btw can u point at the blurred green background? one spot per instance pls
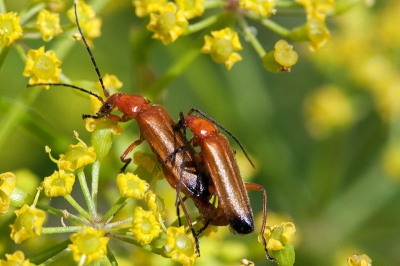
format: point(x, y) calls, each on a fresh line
point(335, 188)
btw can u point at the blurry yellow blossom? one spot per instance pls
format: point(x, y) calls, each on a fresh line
point(111, 83)
point(326, 110)
point(156, 205)
point(48, 24)
point(284, 54)
point(145, 226)
point(262, 7)
point(191, 8)
point(317, 10)
point(88, 244)
point(90, 24)
point(15, 259)
point(7, 182)
point(278, 237)
point(180, 246)
point(28, 223)
point(391, 160)
point(168, 25)
point(145, 161)
point(131, 186)
point(145, 7)
point(10, 30)
point(4, 203)
point(359, 260)
point(76, 157)
point(222, 47)
point(58, 184)
point(42, 67)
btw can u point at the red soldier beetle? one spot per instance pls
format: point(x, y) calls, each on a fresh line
point(156, 127)
point(226, 180)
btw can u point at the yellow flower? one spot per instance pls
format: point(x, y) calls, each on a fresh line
point(112, 85)
point(326, 110)
point(318, 33)
point(320, 6)
point(359, 260)
point(42, 67)
point(156, 205)
point(16, 259)
point(145, 226)
point(88, 244)
point(7, 182)
point(58, 184)
point(4, 203)
point(262, 7)
point(76, 157)
point(222, 47)
point(90, 24)
point(168, 25)
point(278, 237)
point(316, 10)
point(92, 124)
point(191, 8)
point(10, 30)
point(180, 246)
point(145, 7)
point(48, 24)
point(28, 223)
point(131, 186)
point(284, 54)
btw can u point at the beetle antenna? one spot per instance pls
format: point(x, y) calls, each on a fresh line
point(106, 94)
point(70, 86)
point(224, 129)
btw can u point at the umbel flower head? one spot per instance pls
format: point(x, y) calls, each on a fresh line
point(145, 7)
point(7, 184)
point(10, 30)
point(180, 246)
point(191, 8)
point(145, 226)
point(17, 258)
point(42, 67)
point(131, 186)
point(48, 24)
point(262, 7)
point(76, 157)
point(359, 260)
point(28, 223)
point(168, 25)
point(88, 244)
point(278, 237)
point(222, 47)
point(58, 184)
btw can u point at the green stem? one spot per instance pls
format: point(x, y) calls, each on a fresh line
point(77, 207)
point(273, 26)
point(115, 209)
point(51, 255)
point(86, 193)
point(130, 240)
point(95, 181)
point(213, 4)
point(28, 14)
point(201, 25)
point(252, 38)
point(60, 230)
point(110, 256)
point(60, 213)
point(3, 55)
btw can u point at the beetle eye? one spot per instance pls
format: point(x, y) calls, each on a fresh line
point(107, 105)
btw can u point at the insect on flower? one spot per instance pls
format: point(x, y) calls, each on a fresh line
point(156, 127)
point(226, 181)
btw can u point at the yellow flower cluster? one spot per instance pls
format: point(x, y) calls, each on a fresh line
point(278, 237)
point(180, 246)
point(317, 11)
point(10, 30)
point(359, 260)
point(7, 184)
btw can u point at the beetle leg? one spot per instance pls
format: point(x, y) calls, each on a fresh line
point(127, 151)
